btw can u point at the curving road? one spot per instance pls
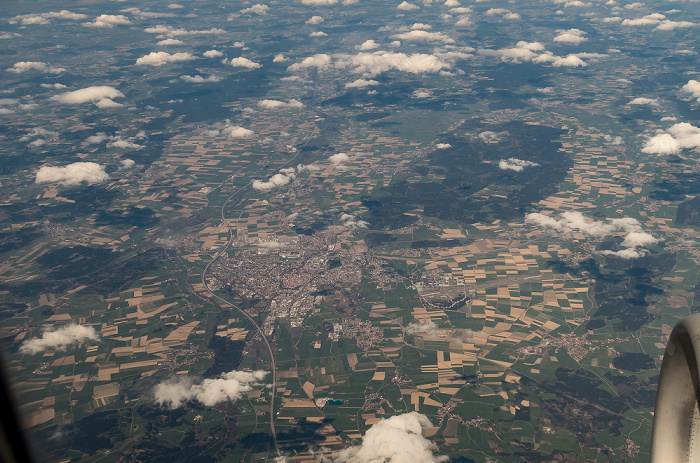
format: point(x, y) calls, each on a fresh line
point(273, 366)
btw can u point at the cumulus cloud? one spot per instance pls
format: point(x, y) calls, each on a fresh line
point(361, 83)
point(258, 8)
point(314, 20)
point(279, 58)
point(284, 177)
point(236, 131)
point(127, 163)
point(421, 26)
point(351, 221)
point(319, 61)
point(506, 14)
point(338, 159)
point(276, 104)
point(109, 21)
point(677, 137)
point(423, 36)
point(405, 6)
point(39, 132)
point(226, 388)
point(422, 328)
point(168, 42)
point(692, 87)
point(212, 54)
point(39, 66)
point(59, 339)
point(443, 146)
point(575, 222)
point(368, 45)
point(242, 62)
point(536, 53)
point(197, 79)
point(172, 32)
point(159, 58)
point(396, 439)
point(377, 62)
point(648, 20)
point(56, 86)
point(571, 36)
point(641, 101)
point(318, 34)
point(72, 174)
point(488, 136)
point(514, 164)
point(668, 25)
point(45, 18)
point(102, 94)
point(275, 181)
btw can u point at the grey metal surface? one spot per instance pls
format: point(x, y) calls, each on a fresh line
point(676, 430)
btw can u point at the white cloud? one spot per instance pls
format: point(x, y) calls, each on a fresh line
point(644, 101)
point(368, 45)
point(506, 14)
point(236, 131)
point(276, 104)
point(197, 79)
point(648, 20)
point(167, 42)
point(319, 61)
point(242, 62)
point(421, 94)
point(662, 143)
point(423, 36)
point(318, 34)
point(338, 159)
point(45, 18)
point(319, 2)
point(678, 136)
point(361, 83)
point(572, 36)
point(422, 328)
point(488, 136)
point(39, 132)
point(284, 177)
point(40, 66)
point(109, 20)
point(692, 87)
point(279, 58)
point(451, 3)
point(172, 32)
point(634, 6)
point(99, 94)
point(146, 14)
point(421, 26)
point(351, 221)
point(381, 61)
point(175, 6)
point(127, 163)
point(212, 54)
point(396, 439)
point(72, 174)
point(227, 387)
point(514, 164)
point(258, 8)
point(405, 6)
point(314, 20)
point(59, 339)
point(668, 25)
point(443, 146)
point(572, 222)
point(159, 58)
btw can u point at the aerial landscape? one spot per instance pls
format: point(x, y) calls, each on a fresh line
point(345, 230)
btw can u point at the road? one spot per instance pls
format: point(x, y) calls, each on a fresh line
point(224, 302)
